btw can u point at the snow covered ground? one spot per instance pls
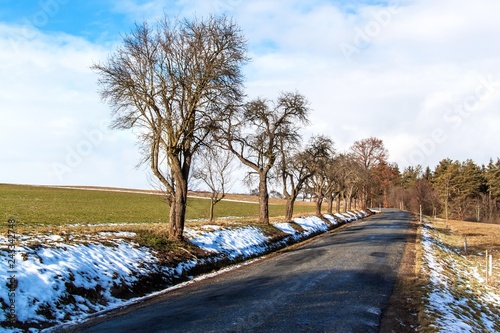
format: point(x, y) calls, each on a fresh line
point(458, 301)
point(60, 283)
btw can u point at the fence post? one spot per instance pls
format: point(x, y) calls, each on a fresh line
point(487, 270)
point(490, 268)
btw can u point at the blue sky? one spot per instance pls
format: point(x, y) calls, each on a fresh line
point(96, 21)
point(422, 75)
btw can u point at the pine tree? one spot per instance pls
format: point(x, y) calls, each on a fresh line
point(492, 175)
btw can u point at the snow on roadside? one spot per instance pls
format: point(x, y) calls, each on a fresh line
point(311, 224)
point(58, 282)
point(239, 242)
point(332, 219)
point(62, 282)
point(287, 228)
point(457, 295)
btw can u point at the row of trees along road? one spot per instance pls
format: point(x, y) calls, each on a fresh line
point(179, 85)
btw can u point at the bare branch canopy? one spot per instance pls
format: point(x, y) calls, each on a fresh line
point(172, 83)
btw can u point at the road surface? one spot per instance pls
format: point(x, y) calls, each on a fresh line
point(338, 282)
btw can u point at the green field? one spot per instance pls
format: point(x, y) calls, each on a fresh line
point(41, 205)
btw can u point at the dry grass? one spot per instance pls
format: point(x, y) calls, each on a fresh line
point(480, 237)
point(459, 270)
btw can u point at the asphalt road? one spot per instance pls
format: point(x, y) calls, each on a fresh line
point(339, 282)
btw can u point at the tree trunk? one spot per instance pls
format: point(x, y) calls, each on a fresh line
point(212, 205)
point(329, 208)
point(263, 199)
point(319, 202)
point(337, 206)
point(173, 208)
point(178, 217)
point(178, 210)
point(290, 201)
point(364, 197)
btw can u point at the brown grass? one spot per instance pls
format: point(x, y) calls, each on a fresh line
point(480, 237)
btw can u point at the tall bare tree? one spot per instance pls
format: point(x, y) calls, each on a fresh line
point(368, 153)
point(294, 169)
point(255, 132)
point(323, 154)
point(171, 83)
point(346, 177)
point(214, 167)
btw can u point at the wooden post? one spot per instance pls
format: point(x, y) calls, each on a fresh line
point(490, 268)
point(487, 267)
point(465, 244)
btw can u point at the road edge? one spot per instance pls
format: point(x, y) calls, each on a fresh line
point(401, 314)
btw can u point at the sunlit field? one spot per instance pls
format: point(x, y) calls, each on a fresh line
point(42, 205)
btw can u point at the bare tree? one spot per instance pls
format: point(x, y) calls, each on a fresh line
point(322, 151)
point(294, 169)
point(386, 176)
point(214, 167)
point(344, 173)
point(171, 83)
point(255, 131)
point(353, 181)
point(368, 153)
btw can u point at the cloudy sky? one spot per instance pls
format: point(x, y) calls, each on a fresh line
point(422, 75)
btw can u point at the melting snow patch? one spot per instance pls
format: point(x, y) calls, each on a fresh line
point(287, 228)
point(311, 224)
point(331, 219)
point(239, 242)
point(120, 234)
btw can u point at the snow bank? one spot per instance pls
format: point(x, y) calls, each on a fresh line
point(346, 217)
point(240, 242)
point(287, 228)
point(311, 224)
point(332, 219)
point(64, 281)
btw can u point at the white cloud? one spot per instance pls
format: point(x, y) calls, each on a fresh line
point(426, 57)
point(51, 111)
